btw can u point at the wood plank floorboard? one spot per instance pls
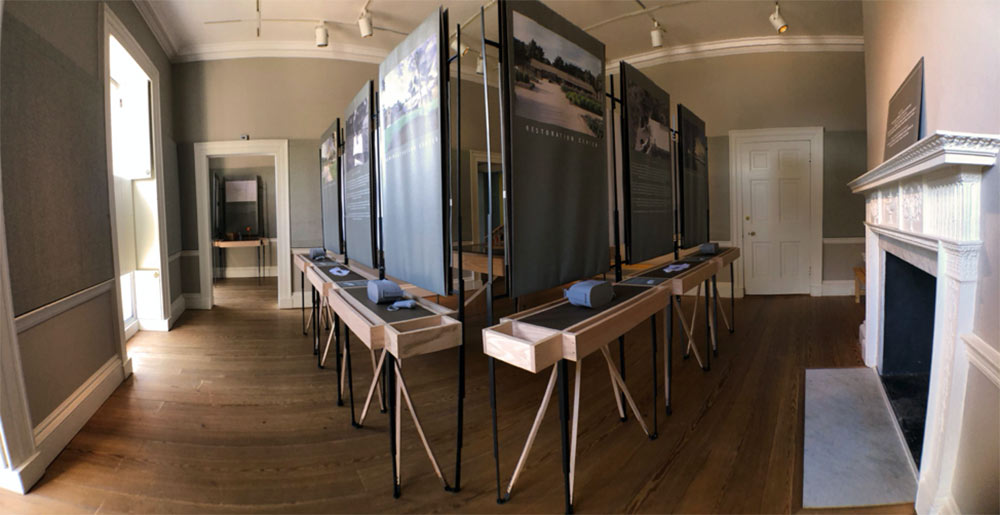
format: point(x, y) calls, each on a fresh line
point(228, 413)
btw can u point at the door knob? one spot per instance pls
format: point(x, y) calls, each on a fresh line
point(752, 233)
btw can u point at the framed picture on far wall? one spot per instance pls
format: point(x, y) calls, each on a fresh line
point(692, 180)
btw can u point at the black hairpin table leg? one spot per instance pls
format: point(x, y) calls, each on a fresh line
point(652, 335)
point(715, 317)
point(336, 343)
point(390, 362)
point(708, 329)
point(564, 430)
point(668, 368)
point(621, 367)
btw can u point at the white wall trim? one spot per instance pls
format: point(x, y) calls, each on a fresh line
point(131, 329)
point(195, 301)
point(152, 19)
point(189, 253)
point(753, 45)
point(275, 147)
point(177, 308)
point(839, 288)
point(860, 240)
point(738, 138)
point(54, 433)
point(299, 49)
point(175, 256)
point(983, 357)
point(54, 309)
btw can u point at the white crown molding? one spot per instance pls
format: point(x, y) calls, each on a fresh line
point(941, 149)
point(148, 11)
point(755, 45)
point(300, 49)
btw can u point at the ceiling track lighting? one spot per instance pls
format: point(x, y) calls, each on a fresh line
point(460, 48)
point(365, 24)
point(322, 35)
point(479, 65)
point(656, 35)
point(777, 21)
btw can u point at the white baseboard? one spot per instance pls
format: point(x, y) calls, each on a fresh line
point(177, 309)
point(55, 432)
point(295, 301)
point(838, 288)
point(154, 324)
point(196, 301)
point(130, 329)
point(233, 272)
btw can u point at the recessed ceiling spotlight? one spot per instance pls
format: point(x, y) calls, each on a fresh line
point(777, 21)
point(365, 24)
point(322, 36)
point(656, 35)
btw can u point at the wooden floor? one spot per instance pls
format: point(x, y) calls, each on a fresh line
point(228, 413)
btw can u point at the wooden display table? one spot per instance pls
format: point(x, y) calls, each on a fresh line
point(259, 243)
point(557, 332)
point(399, 334)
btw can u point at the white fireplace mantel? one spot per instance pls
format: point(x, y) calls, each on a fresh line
point(923, 205)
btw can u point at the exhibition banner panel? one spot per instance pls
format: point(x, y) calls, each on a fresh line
point(412, 146)
point(330, 188)
point(359, 175)
point(557, 181)
point(693, 178)
point(647, 166)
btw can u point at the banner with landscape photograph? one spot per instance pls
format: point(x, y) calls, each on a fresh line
point(330, 188)
point(647, 167)
point(412, 146)
point(359, 174)
point(558, 184)
point(693, 178)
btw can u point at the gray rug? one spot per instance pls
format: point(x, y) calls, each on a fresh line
point(853, 455)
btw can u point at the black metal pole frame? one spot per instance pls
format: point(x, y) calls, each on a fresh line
point(617, 231)
point(456, 202)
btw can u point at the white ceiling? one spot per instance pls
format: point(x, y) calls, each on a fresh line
point(182, 27)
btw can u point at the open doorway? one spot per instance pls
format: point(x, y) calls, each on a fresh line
point(244, 222)
point(135, 165)
point(247, 160)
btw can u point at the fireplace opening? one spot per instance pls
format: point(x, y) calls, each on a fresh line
point(907, 343)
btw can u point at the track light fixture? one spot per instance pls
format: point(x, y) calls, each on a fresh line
point(479, 65)
point(322, 35)
point(656, 35)
point(777, 21)
point(365, 24)
point(461, 48)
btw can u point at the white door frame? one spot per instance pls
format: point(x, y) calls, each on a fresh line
point(113, 26)
point(202, 153)
point(814, 135)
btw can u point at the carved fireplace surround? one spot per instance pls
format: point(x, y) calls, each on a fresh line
point(923, 205)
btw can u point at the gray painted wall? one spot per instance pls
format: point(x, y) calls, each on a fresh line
point(52, 75)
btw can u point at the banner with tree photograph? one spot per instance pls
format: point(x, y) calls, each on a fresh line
point(359, 175)
point(693, 178)
point(647, 167)
point(412, 146)
point(330, 188)
point(557, 182)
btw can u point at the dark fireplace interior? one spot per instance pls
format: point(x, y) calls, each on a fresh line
point(907, 339)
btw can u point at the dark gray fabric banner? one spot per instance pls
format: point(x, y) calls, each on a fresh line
point(558, 182)
point(329, 171)
point(647, 167)
point(359, 175)
point(412, 178)
point(693, 178)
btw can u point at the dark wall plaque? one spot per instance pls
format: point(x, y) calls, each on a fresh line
point(692, 180)
point(903, 127)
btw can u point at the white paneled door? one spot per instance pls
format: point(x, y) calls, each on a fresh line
point(776, 224)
